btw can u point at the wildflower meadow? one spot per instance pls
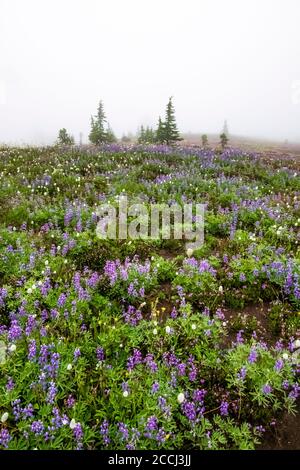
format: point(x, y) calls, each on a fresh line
point(146, 343)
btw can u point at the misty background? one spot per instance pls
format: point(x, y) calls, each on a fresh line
point(236, 59)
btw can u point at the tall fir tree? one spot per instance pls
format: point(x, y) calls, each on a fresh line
point(170, 127)
point(160, 132)
point(99, 134)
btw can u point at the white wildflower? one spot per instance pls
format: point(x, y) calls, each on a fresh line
point(180, 397)
point(72, 423)
point(4, 417)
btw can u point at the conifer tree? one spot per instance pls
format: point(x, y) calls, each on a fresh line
point(223, 140)
point(99, 133)
point(64, 138)
point(160, 132)
point(171, 132)
point(149, 135)
point(204, 140)
point(146, 135)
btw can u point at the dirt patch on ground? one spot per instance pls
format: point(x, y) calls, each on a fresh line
point(249, 318)
point(284, 436)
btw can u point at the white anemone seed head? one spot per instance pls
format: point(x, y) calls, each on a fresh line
point(180, 397)
point(72, 423)
point(4, 417)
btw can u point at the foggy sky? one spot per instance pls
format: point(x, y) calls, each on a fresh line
point(233, 59)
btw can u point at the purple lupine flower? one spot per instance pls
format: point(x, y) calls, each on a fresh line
point(70, 401)
point(132, 316)
point(52, 391)
point(239, 337)
point(279, 345)
point(131, 290)
point(16, 409)
point(219, 314)
point(78, 432)
point(294, 393)
point(199, 395)
point(267, 389)
point(155, 387)
point(173, 381)
point(278, 365)
point(285, 385)
point(100, 354)
point(44, 354)
point(56, 420)
point(61, 300)
point(32, 350)
point(5, 438)
point(260, 429)
point(10, 384)
point(152, 423)
point(37, 427)
point(189, 410)
point(28, 411)
point(30, 325)
point(161, 436)
point(151, 364)
point(54, 313)
point(43, 332)
point(242, 373)
point(44, 315)
point(174, 313)
point(68, 216)
point(15, 331)
point(135, 359)
point(77, 353)
point(54, 364)
point(192, 369)
point(252, 356)
point(162, 403)
point(123, 429)
point(170, 359)
point(3, 295)
point(181, 368)
point(93, 280)
point(224, 408)
point(104, 431)
point(110, 270)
